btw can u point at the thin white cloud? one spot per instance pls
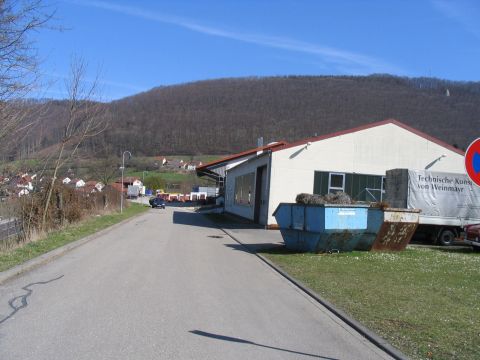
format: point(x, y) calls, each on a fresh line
point(337, 58)
point(465, 13)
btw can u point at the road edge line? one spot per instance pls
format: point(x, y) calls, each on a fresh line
point(361, 329)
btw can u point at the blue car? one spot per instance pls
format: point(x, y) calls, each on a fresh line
point(157, 203)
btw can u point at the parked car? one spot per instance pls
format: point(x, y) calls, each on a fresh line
point(157, 203)
point(472, 236)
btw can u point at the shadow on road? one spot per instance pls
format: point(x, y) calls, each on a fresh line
point(255, 248)
point(230, 221)
point(212, 220)
point(250, 245)
point(192, 219)
point(242, 341)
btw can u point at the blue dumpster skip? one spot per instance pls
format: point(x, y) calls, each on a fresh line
point(332, 227)
point(329, 227)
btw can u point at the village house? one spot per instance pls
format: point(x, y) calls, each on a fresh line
point(192, 165)
point(128, 180)
point(79, 183)
point(96, 184)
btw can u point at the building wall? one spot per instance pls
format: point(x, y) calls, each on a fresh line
point(371, 151)
point(232, 174)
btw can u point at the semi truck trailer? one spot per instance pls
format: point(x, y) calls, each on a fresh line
point(448, 201)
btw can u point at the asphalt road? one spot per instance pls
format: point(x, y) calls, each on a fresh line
point(167, 285)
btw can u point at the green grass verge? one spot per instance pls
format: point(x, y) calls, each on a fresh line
point(425, 301)
point(71, 233)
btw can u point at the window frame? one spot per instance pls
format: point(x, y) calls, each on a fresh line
point(335, 188)
point(243, 189)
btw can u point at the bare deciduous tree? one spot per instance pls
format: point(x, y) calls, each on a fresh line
point(106, 168)
point(18, 59)
point(86, 118)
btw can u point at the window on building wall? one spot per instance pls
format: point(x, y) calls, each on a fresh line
point(365, 187)
point(244, 189)
point(336, 183)
point(360, 187)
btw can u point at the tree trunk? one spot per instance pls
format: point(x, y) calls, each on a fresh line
point(50, 189)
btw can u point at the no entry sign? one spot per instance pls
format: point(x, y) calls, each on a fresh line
point(472, 161)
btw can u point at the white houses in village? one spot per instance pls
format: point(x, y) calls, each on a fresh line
point(354, 161)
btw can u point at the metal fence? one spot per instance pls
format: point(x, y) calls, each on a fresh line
point(10, 231)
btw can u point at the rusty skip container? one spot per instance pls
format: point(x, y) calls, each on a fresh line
point(397, 229)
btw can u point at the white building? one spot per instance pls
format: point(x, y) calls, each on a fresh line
point(217, 169)
point(354, 161)
point(99, 186)
point(79, 183)
point(23, 192)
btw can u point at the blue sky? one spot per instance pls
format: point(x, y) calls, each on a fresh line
point(138, 45)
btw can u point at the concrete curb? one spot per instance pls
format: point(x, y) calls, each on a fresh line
point(53, 254)
point(365, 332)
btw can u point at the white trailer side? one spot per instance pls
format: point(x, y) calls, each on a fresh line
point(448, 201)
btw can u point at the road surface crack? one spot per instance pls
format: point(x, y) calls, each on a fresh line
point(23, 298)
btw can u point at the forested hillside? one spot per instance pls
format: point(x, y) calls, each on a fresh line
point(228, 115)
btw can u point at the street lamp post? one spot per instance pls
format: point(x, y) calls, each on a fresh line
point(123, 168)
point(143, 183)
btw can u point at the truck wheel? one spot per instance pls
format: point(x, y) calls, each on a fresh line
point(446, 237)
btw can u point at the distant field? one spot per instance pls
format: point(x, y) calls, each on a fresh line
point(203, 158)
point(169, 177)
point(82, 167)
point(19, 165)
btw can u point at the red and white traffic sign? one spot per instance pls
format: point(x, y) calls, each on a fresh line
point(472, 161)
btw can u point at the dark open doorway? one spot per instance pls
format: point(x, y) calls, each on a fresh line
point(259, 193)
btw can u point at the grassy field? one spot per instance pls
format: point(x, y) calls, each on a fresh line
point(171, 181)
point(19, 165)
point(170, 177)
point(203, 158)
point(82, 167)
point(71, 233)
point(425, 301)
